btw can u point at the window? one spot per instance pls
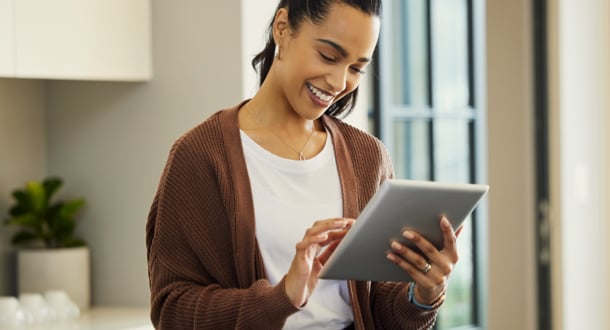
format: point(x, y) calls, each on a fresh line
point(429, 114)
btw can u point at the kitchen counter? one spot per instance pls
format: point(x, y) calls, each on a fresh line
point(102, 318)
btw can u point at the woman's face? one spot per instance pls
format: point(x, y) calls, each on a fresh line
point(321, 63)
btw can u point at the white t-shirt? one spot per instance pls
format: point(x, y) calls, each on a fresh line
point(289, 195)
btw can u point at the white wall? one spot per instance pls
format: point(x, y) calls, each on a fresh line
point(110, 140)
point(22, 157)
point(580, 78)
point(509, 106)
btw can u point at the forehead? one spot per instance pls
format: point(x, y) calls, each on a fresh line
point(351, 28)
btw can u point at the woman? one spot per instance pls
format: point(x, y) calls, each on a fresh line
point(241, 190)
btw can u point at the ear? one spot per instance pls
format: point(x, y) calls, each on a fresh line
point(281, 26)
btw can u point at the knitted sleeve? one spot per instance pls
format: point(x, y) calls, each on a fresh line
point(192, 276)
point(392, 310)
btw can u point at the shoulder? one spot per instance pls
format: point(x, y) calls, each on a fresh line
point(209, 136)
point(358, 141)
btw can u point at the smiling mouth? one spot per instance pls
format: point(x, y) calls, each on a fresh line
point(319, 94)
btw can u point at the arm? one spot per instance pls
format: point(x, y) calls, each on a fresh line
point(194, 282)
point(180, 303)
point(392, 310)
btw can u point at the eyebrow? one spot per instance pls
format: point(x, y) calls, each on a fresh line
point(342, 50)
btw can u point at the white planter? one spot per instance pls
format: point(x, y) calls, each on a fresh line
point(68, 269)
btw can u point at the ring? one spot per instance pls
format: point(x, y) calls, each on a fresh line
point(426, 268)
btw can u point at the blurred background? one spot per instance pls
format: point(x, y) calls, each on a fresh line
point(512, 93)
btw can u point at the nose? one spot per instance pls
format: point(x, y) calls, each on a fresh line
point(337, 79)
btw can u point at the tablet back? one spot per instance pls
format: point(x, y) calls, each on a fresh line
point(396, 206)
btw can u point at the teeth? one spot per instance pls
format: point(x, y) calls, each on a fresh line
point(322, 96)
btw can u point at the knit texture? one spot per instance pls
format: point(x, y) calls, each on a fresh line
point(205, 268)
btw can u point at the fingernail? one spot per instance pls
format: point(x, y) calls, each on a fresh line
point(396, 246)
point(446, 222)
point(408, 235)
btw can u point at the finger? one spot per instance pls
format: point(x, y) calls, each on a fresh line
point(428, 250)
point(459, 231)
point(334, 238)
point(311, 240)
point(416, 274)
point(449, 238)
point(322, 226)
point(322, 233)
point(430, 284)
point(412, 257)
point(323, 257)
point(337, 234)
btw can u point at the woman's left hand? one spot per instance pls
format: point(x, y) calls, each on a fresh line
point(432, 269)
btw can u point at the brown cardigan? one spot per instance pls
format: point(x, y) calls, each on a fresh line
point(205, 269)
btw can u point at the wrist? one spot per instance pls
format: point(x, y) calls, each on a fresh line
point(411, 295)
point(292, 293)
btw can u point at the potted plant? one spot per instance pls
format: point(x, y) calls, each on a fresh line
point(50, 255)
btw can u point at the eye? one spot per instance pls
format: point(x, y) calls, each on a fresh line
point(327, 58)
point(357, 70)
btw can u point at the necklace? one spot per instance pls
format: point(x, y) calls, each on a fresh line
point(300, 152)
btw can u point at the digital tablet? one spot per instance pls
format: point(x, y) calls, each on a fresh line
point(396, 206)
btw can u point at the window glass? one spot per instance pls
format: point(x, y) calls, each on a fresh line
point(411, 152)
point(452, 150)
point(450, 54)
point(409, 53)
point(452, 164)
point(458, 307)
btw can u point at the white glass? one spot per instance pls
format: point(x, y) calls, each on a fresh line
point(35, 308)
point(62, 305)
point(11, 314)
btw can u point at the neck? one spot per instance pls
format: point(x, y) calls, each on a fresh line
point(278, 116)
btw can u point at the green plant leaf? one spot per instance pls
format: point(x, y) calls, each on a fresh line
point(26, 220)
point(22, 203)
point(37, 196)
point(51, 186)
point(72, 242)
point(42, 220)
point(61, 218)
point(23, 237)
point(62, 228)
point(69, 208)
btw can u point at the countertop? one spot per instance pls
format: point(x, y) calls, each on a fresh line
point(101, 318)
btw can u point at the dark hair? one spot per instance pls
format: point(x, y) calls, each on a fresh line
point(315, 10)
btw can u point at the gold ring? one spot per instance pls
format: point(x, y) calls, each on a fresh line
point(426, 268)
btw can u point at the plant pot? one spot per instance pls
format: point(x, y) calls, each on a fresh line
point(67, 269)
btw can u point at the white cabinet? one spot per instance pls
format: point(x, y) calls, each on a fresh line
point(7, 50)
point(82, 39)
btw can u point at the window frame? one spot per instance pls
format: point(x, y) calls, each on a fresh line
point(384, 114)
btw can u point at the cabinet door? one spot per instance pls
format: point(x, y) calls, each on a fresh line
point(7, 50)
point(83, 39)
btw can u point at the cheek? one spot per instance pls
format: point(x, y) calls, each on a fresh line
point(351, 84)
point(353, 81)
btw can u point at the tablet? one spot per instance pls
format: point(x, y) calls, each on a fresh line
point(396, 206)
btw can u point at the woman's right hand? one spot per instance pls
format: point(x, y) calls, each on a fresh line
point(302, 276)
